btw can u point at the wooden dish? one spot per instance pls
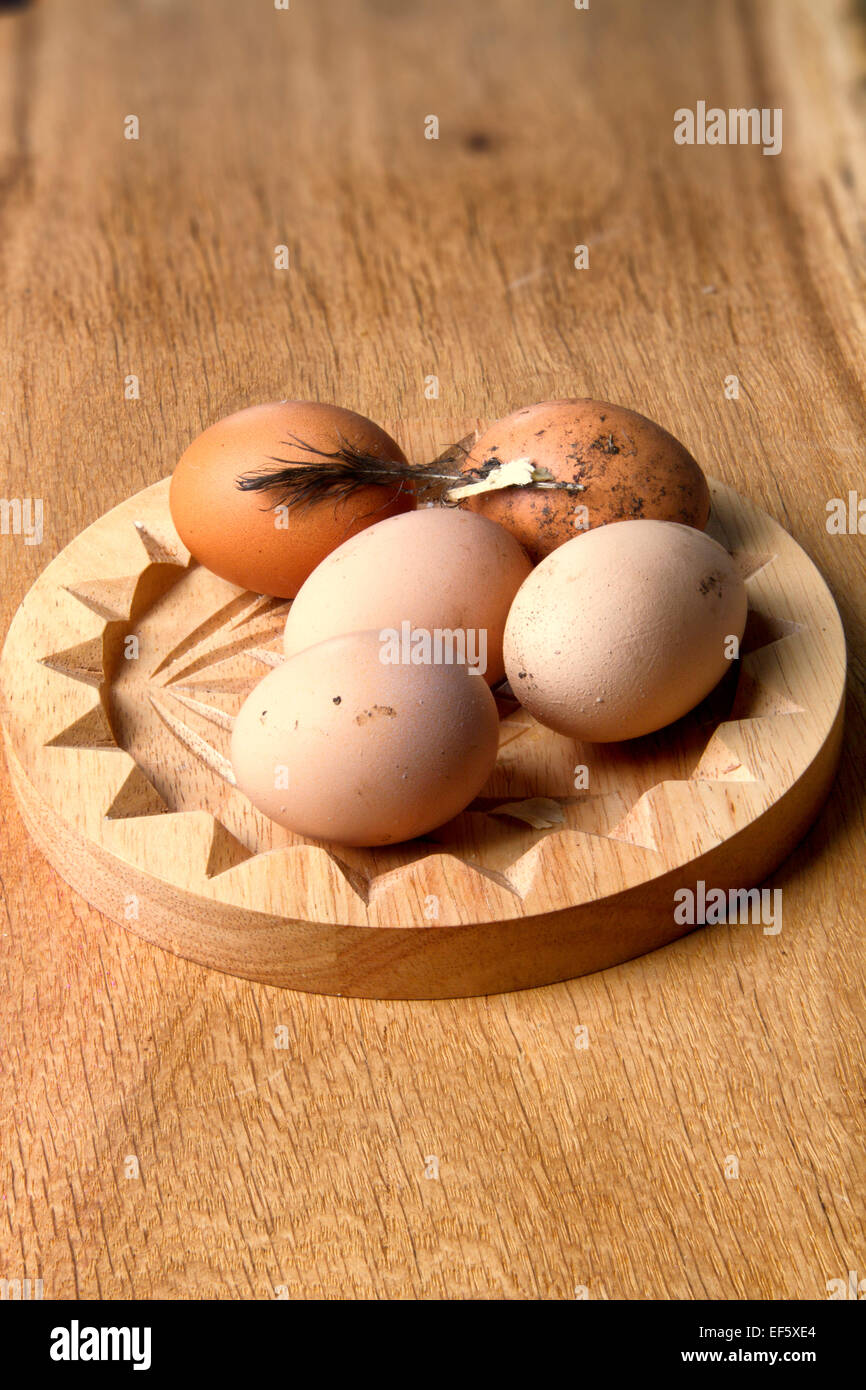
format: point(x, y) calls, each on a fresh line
point(123, 668)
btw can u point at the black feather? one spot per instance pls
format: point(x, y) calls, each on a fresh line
point(343, 472)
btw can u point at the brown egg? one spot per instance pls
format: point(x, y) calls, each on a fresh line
point(627, 466)
point(238, 534)
point(624, 629)
point(339, 745)
point(438, 577)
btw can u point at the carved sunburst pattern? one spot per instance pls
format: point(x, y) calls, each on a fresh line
point(165, 654)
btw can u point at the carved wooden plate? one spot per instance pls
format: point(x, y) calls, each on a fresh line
point(124, 667)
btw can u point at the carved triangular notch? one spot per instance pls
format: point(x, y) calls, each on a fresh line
point(226, 852)
point(639, 826)
point(756, 700)
point(109, 598)
point(137, 797)
point(720, 763)
point(92, 730)
point(161, 550)
point(747, 563)
point(762, 630)
point(82, 662)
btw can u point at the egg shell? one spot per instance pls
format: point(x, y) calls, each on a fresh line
point(435, 568)
point(374, 753)
point(235, 533)
point(624, 629)
point(628, 466)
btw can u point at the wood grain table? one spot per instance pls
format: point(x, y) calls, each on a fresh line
point(683, 1126)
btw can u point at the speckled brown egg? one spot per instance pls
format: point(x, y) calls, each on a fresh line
point(341, 746)
point(627, 466)
point(244, 536)
point(624, 629)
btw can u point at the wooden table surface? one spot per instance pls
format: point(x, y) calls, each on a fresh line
point(605, 1168)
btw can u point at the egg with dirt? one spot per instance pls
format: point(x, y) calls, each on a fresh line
point(344, 744)
point(624, 629)
point(607, 464)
